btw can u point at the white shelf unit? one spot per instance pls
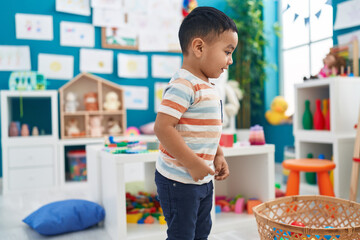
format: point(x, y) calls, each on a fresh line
point(252, 175)
point(29, 162)
point(338, 142)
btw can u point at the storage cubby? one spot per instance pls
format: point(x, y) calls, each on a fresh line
point(338, 143)
point(29, 162)
point(87, 96)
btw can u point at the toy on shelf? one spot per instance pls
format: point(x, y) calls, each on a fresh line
point(113, 128)
point(226, 140)
point(95, 126)
point(27, 80)
point(35, 131)
point(350, 53)
point(112, 102)
point(276, 115)
point(327, 116)
point(188, 6)
point(148, 128)
point(77, 163)
point(319, 120)
point(307, 119)
point(256, 136)
point(72, 128)
point(71, 102)
point(14, 129)
point(25, 130)
point(91, 102)
point(132, 131)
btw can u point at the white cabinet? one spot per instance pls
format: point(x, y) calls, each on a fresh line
point(29, 162)
point(252, 175)
point(338, 143)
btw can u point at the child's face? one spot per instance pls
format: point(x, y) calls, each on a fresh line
point(217, 55)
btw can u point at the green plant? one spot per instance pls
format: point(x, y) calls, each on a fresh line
point(249, 64)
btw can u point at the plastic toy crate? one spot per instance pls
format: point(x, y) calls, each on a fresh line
point(77, 164)
point(325, 218)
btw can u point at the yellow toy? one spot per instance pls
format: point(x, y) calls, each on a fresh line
point(276, 114)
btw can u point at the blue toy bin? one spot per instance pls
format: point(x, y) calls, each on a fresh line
point(308, 218)
point(77, 164)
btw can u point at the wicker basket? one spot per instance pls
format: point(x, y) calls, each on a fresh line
point(324, 218)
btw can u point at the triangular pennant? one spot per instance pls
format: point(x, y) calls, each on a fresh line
point(306, 20)
point(318, 14)
point(295, 17)
point(287, 7)
point(329, 2)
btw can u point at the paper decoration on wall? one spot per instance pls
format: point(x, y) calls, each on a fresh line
point(109, 4)
point(135, 6)
point(347, 15)
point(96, 61)
point(292, 6)
point(34, 26)
point(159, 91)
point(14, 58)
point(55, 66)
point(108, 17)
point(132, 66)
point(164, 66)
point(77, 34)
point(80, 7)
point(136, 97)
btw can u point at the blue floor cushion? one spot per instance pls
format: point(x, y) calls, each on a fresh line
point(65, 216)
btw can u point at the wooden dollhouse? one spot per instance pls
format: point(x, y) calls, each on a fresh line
point(91, 107)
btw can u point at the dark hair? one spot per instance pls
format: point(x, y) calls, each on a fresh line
point(201, 22)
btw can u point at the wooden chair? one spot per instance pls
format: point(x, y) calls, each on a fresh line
point(356, 164)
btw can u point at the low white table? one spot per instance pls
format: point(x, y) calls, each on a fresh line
point(252, 174)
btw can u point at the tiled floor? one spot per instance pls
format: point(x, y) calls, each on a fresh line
point(14, 208)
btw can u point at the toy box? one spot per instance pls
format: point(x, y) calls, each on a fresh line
point(77, 164)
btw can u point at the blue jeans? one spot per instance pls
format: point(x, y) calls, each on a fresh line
point(186, 208)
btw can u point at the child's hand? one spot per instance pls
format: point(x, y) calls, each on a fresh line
point(199, 170)
point(221, 168)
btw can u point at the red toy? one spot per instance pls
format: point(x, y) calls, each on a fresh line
point(227, 140)
point(319, 120)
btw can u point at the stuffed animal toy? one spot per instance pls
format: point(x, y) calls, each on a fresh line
point(113, 127)
point(233, 96)
point(91, 102)
point(111, 102)
point(72, 128)
point(95, 126)
point(276, 114)
point(71, 102)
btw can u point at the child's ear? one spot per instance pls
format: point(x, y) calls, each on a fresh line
point(197, 46)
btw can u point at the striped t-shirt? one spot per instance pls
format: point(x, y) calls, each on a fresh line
point(197, 105)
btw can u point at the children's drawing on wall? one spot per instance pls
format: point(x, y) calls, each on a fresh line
point(34, 26)
point(113, 37)
point(108, 17)
point(96, 61)
point(347, 15)
point(55, 66)
point(109, 4)
point(80, 7)
point(77, 34)
point(136, 97)
point(159, 91)
point(164, 66)
point(132, 66)
point(135, 6)
point(14, 58)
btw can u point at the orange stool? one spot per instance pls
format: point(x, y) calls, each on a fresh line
point(320, 166)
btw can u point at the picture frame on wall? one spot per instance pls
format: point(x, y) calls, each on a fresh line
point(116, 38)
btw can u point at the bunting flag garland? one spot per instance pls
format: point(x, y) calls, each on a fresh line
point(306, 19)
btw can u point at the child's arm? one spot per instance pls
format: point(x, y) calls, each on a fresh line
point(173, 143)
point(221, 166)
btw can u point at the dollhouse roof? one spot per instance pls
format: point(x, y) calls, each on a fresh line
point(91, 77)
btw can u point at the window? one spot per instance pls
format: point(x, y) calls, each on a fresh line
point(306, 39)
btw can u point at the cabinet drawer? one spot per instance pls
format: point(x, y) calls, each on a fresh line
point(22, 179)
point(30, 156)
